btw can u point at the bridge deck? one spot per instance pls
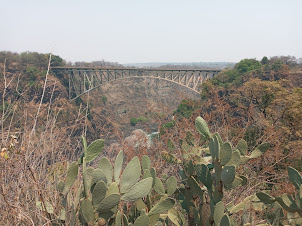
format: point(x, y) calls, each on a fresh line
point(129, 69)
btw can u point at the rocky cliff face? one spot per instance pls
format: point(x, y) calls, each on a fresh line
point(136, 97)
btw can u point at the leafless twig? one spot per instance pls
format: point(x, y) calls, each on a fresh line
point(44, 88)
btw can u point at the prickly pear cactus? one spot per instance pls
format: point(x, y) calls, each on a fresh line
point(133, 194)
point(290, 203)
point(208, 171)
point(109, 189)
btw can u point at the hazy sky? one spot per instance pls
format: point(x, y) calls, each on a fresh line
point(129, 31)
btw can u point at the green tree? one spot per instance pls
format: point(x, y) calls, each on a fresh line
point(186, 108)
point(31, 73)
point(277, 65)
point(57, 61)
point(133, 121)
point(247, 65)
point(264, 60)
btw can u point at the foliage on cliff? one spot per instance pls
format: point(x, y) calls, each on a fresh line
point(259, 102)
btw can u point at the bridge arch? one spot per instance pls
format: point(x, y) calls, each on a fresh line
point(82, 80)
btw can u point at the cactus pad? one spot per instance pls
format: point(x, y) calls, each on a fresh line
point(131, 174)
point(108, 202)
point(218, 212)
point(142, 220)
point(94, 149)
point(118, 164)
point(162, 206)
point(265, 198)
point(294, 177)
point(202, 127)
point(171, 184)
point(87, 211)
point(226, 153)
point(98, 193)
point(106, 167)
point(159, 187)
point(98, 175)
point(228, 174)
point(139, 190)
point(242, 147)
point(146, 162)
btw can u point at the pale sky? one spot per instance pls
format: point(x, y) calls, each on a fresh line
point(138, 31)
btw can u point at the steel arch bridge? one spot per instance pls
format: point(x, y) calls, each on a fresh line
point(84, 79)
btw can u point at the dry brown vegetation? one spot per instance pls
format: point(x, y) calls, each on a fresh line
point(28, 152)
point(266, 107)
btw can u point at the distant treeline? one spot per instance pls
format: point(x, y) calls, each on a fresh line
point(276, 67)
point(190, 65)
point(40, 60)
point(201, 65)
point(101, 63)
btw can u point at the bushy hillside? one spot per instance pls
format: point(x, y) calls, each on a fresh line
point(231, 166)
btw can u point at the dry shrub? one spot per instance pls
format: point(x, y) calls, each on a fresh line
point(31, 158)
point(27, 178)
